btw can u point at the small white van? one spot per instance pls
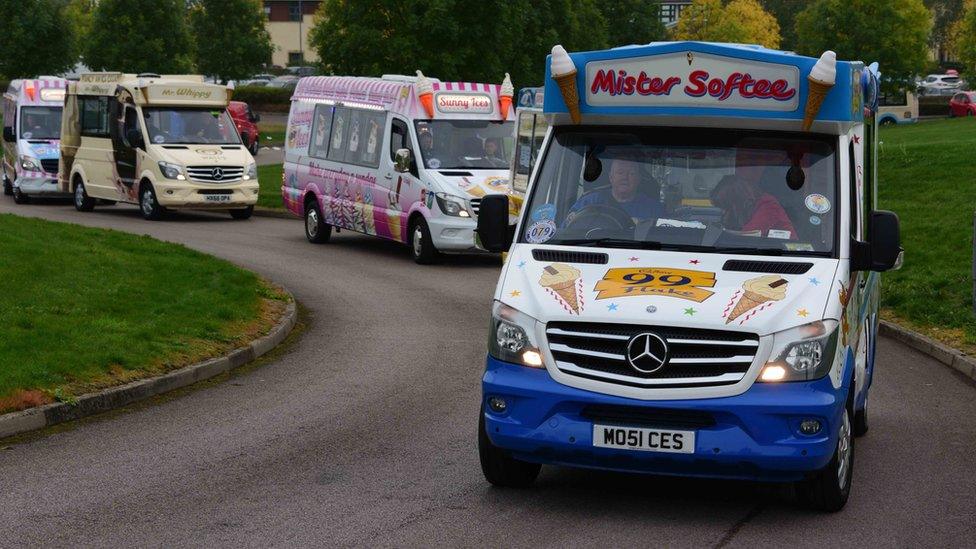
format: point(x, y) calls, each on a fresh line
point(31, 134)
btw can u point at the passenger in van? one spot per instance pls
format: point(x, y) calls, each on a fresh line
point(748, 208)
point(623, 193)
point(493, 153)
point(426, 140)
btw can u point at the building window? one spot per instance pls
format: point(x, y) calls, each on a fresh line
point(294, 13)
point(296, 58)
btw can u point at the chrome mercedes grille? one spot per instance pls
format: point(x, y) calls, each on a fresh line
point(693, 357)
point(50, 165)
point(215, 174)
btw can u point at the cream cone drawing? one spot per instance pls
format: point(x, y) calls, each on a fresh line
point(564, 283)
point(564, 73)
point(756, 293)
point(822, 77)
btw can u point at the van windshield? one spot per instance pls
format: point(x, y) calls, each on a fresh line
point(472, 144)
point(40, 122)
point(696, 189)
point(190, 126)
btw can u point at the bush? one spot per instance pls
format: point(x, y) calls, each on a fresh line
point(265, 99)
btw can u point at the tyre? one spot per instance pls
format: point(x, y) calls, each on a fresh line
point(83, 202)
point(860, 424)
point(316, 230)
point(8, 188)
point(254, 147)
point(148, 204)
point(498, 467)
point(421, 244)
point(242, 213)
point(20, 197)
point(887, 122)
point(829, 489)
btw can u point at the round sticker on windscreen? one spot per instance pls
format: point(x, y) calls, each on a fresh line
point(541, 231)
point(814, 220)
point(545, 211)
point(434, 163)
point(817, 203)
point(159, 139)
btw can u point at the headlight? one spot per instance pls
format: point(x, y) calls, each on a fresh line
point(450, 206)
point(251, 172)
point(172, 171)
point(803, 353)
point(30, 164)
point(512, 337)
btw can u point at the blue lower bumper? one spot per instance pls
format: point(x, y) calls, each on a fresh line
point(753, 436)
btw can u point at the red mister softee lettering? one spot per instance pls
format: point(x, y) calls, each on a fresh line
point(744, 84)
point(621, 83)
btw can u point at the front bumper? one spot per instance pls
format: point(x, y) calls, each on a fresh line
point(191, 195)
point(46, 186)
point(453, 234)
point(755, 435)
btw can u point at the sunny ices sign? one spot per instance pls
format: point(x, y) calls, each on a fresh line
point(452, 103)
point(690, 79)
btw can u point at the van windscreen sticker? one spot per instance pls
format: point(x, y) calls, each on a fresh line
point(565, 284)
point(817, 203)
point(541, 231)
point(756, 295)
point(656, 281)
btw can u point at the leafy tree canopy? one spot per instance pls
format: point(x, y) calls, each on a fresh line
point(139, 36)
point(231, 40)
point(739, 21)
point(37, 39)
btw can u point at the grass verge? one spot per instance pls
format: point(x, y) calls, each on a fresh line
point(926, 177)
point(272, 135)
point(269, 177)
point(84, 309)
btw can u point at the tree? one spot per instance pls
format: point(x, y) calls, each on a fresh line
point(946, 15)
point(965, 38)
point(37, 39)
point(741, 21)
point(471, 41)
point(231, 38)
point(633, 22)
point(139, 36)
point(894, 33)
point(785, 13)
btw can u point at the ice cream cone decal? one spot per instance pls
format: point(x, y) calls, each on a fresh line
point(505, 96)
point(563, 282)
point(756, 295)
point(425, 92)
point(564, 73)
point(821, 78)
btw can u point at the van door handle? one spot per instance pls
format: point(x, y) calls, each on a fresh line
point(388, 176)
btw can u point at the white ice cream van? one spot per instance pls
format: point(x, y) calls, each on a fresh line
point(692, 285)
point(400, 157)
point(31, 134)
point(160, 141)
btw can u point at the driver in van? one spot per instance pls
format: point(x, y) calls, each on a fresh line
point(492, 152)
point(623, 193)
point(748, 208)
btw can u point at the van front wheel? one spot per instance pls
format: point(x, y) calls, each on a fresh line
point(83, 202)
point(242, 213)
point(829, 489)
point(8, 189)
point(20, 197)
point(421, 244)
point(148, 204)
point(500, 468)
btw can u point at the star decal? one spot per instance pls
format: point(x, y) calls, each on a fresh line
point(693, 261)
point(515, 293)
point(521, 264)
point(802, 312)
point(690, 311)
point(814, 281)
point(857, 139)
point(634, 258)
point(612, 307)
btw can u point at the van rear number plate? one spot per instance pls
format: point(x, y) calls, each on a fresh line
point(648, 440)
point(217, 198)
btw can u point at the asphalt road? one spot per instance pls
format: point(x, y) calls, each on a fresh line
point(364, 433)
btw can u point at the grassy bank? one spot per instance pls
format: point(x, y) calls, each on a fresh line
point(927, 176)
point(269, 178)
point(84, 309)
point(272, 135)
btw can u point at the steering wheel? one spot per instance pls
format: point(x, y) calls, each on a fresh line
point(596, 218)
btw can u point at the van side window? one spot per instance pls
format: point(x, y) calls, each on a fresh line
point(340, 131)
point(94, 116)
point(372, 136)
point(318, 145)
point(399, 137)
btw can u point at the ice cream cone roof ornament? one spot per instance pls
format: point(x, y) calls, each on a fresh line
point(425, 92)
point(563, 71)
point(822, 77)
point(505, 96)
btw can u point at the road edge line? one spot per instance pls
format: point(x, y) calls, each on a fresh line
point(32, 419)
point(953, 358)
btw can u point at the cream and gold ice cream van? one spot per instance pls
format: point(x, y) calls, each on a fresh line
point(162, 142)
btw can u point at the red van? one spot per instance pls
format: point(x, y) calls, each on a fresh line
point(246, 121)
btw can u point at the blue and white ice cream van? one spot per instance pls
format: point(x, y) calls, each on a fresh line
point(692, 285)
point(32, 136)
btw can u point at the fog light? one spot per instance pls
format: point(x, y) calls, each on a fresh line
point(169, 191)
point(809, 426)
point(497, 405)
point(532, 358)
point(773, 372)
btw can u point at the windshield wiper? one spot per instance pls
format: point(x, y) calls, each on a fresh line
point(610, 243)
point(745, 250)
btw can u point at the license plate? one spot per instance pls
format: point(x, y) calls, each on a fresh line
point(216, 198)
point(646, 440)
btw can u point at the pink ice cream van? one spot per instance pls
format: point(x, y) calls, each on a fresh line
point(31, 137)
point(400, 157)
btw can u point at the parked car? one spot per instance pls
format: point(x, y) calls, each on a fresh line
point(963, 104)
point(941, 84)
point(301, 71)
point(258, 80)
point(285, 82)
point(246, 121)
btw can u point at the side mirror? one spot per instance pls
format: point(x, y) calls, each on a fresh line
point(255, 117)
point(134, 137)
point(493, 229)
point(401, 160)
point(884, 251)
point(8, 134)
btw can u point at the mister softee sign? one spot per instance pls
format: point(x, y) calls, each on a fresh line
point(690, 79)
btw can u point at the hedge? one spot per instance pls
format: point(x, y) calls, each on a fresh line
point(264, 99)
point(934, 105)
